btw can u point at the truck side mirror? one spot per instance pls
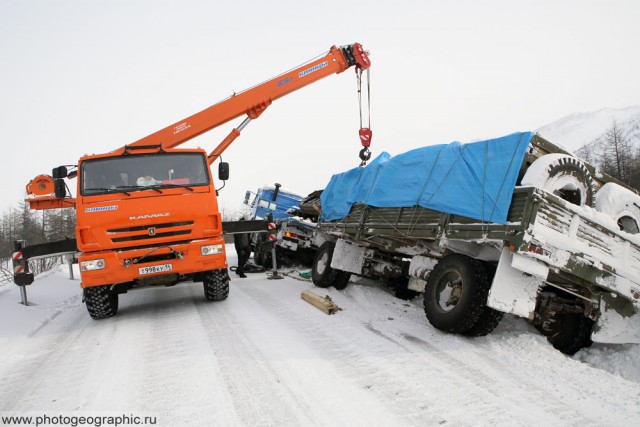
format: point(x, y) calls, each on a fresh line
point(223, 171)
point(247, 196)
point(59, 188)
point(59, 172)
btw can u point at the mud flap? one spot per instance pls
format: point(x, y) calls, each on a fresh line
point(512, 290)
point(618, 323)
point(419, 270)
point(348, 257)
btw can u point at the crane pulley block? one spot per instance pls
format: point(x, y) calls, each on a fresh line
point(365, 137)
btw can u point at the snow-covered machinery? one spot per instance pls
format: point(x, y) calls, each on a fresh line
point(509, 225)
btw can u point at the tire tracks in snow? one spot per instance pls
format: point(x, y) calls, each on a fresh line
point(573, 400)
point(275, 378)
point(381, 370)
point(257, 395)
point(398, 364)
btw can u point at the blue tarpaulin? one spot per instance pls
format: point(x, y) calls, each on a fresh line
point(475, 180)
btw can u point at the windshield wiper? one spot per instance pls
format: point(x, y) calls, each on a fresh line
point(141, 187)
point(108, 190)
point(188, 187)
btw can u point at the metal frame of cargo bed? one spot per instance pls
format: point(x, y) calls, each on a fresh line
point(391, 229)
point(408, 224)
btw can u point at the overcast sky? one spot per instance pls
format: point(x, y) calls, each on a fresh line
point(85, 76)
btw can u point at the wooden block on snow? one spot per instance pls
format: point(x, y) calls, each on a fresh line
point(324, 304)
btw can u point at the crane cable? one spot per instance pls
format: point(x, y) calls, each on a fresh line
point(364, 133)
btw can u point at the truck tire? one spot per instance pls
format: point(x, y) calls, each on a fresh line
point(489, 320)
point(342, 279)
point(621, 204)
point(306, 257)
point(284, 257)
point(101, 302)
point(455, 295)
point(400, 286)
point(563, 175)
point(573, 332)
point(322, 274)
point(216, 285)
point(262, 255)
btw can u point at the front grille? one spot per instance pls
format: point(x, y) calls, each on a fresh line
point(150, 232)
point(146, 227)
point(146, 236)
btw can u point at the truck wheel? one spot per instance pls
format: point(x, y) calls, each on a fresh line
point(322, 274)
point(573, 332)
point(456, 292)
point(342, 279)
point(100, 301)
point(284, 257)
point(620, 204)
point(216, 285)
point(306, 257)
point(563, 175)
point(400, 286)
point(489, 320)
point(262, 256)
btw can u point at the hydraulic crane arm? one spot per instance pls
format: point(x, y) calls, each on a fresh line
point(252, 102)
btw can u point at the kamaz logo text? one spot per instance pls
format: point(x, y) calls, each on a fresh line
point(312, 69)
point(149, 216)
point(102, 209)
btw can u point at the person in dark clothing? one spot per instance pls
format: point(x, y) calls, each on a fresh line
point(243, 248)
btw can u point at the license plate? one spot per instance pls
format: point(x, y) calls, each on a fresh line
point(155, 269)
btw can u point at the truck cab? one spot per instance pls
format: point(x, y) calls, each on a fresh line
point(147, 216)
point(294, 237)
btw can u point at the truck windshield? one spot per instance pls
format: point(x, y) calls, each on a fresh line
point(143, 171)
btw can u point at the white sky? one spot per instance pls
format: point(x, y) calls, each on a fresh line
point(80, 76)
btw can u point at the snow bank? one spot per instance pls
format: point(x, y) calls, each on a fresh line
point(51, 294)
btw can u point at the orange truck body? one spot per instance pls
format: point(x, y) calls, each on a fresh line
point(121, 228)
point(147, 222)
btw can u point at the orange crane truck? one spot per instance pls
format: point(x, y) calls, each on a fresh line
point(147, 213)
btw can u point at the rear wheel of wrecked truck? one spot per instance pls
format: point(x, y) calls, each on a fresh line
point(322, 274)
point(455, 295)
point(571, 333)
point(489, 318)
point(400, 286)
point(216, 285)
point(101, 302)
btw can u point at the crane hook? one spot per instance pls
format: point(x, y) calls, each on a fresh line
point(365, 155)
point(365, 138)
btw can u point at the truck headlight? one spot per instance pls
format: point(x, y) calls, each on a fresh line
point(91, 265)
point(211, 250)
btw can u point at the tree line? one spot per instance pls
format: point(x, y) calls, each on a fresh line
point(614, 154)
point(21, 223)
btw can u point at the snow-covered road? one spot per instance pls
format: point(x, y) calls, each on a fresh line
point(265, 357)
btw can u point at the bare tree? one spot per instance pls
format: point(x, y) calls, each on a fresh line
point(586, 153)
point(617, 154)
